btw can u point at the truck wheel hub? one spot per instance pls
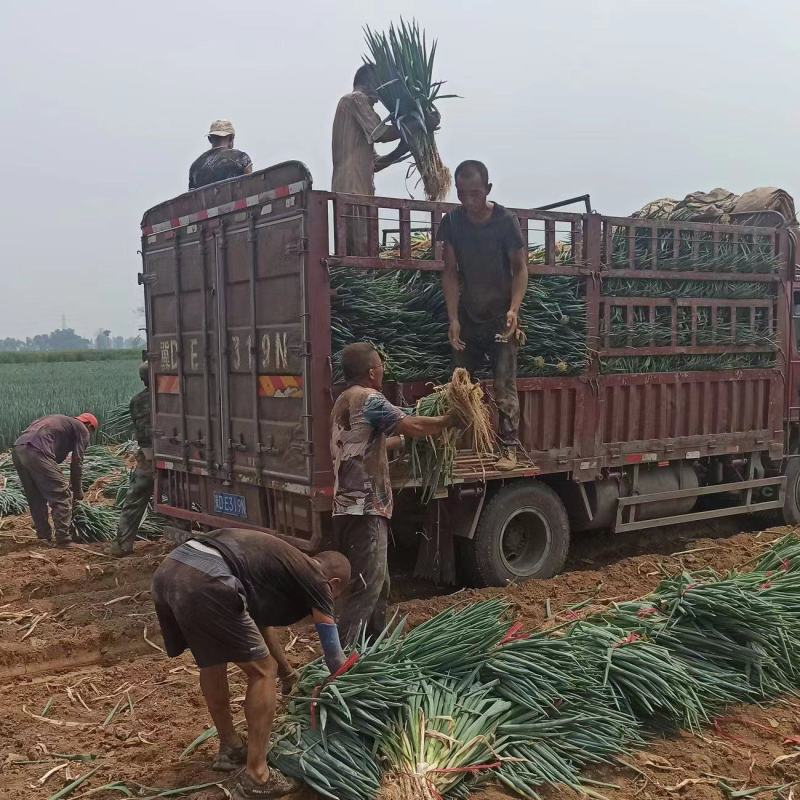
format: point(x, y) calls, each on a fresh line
point(524, 541)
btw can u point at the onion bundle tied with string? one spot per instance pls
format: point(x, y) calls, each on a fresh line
point(433, 458)
point(404, 69)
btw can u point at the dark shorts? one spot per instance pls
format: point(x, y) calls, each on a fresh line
point(206, 613)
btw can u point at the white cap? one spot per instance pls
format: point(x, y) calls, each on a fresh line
point(221, 127)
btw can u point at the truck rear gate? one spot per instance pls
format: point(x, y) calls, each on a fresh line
point(237, 285)
point(229, 344)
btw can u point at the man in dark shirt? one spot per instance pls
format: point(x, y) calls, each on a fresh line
point(484, 281)
point(364, 425)
point(37, 453)
point(140, 488)
point(219, 595)
point(222, 161)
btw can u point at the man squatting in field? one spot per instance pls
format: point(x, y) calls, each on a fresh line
point(220, 595)
point(484, 281)
point(36, 454)
point(361, 420)
point(140, 489)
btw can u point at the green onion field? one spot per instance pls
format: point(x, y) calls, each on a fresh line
point(34, 389)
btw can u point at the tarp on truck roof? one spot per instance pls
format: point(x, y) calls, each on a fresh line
point(721, 205)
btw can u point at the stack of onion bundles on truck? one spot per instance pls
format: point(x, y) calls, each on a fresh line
point(468, 697)
point(403, 311)
point(404, 314)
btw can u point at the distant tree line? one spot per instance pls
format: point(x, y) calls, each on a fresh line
point(63, 339)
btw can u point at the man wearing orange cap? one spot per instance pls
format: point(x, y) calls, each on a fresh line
point(37, 453)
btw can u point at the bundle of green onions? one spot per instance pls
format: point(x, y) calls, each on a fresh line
point(94, 523)
point(442, 736)
point(432, 647)
point(343, 704)
point(98, 462)
point(718, 290)
point(742, 326)
point(433, 458)
point(697, 251)
point(699, 363)
point(12, 498)
point(117, 426)
point(338, 766)
point(404, 66)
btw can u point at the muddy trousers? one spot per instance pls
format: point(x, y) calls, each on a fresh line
point(44, 485)
point(364, 540)
point(134, 506)
point(480, 344)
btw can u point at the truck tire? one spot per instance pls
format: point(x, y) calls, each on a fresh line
point(791, 503)
point(523, 533)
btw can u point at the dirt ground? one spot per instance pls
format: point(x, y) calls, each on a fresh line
point(84, 686)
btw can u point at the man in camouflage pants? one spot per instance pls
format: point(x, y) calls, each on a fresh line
point(140, 489)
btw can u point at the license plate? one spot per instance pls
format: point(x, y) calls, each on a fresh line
point(233, 505)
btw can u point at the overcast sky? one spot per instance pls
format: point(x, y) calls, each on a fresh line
point(104, 105)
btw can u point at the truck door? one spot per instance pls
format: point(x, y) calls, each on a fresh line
point(262, 349)
point(794, 359)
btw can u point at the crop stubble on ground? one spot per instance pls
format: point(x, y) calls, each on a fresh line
point(72, 631)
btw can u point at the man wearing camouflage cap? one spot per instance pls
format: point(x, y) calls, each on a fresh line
point(222, 161)
point(140, 488)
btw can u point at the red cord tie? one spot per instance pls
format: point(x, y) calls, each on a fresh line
point(629, 639)
point(349, 664)
point(646, 612)
point(513, 634)
point(786, 565)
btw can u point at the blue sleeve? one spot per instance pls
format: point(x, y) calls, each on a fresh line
point(381, 414)
point(331, 648)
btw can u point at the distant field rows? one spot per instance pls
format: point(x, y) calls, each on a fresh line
point(29, 391)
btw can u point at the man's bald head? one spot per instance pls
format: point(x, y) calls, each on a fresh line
point(336, 569)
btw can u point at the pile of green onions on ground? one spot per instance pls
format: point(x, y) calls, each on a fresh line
point(468, 697)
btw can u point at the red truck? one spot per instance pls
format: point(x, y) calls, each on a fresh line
point(237, 283)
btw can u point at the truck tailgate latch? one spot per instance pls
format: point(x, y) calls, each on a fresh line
point(304, 446)
point(297, 247)
point(147, 279)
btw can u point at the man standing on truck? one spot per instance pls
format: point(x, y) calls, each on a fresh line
point(219, 595)
point(222, 161)
point(361, 420)
point(484, 281)
point(36, 454)
point(356, 127)
point(140, 487)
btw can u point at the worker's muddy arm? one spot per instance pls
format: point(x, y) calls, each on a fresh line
point(395, 442)
point(398, 154)
point(420, 427)
point(451, 291)
point(388, 133)
point(76, 476)
point(519, 285)
point(285, 671)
